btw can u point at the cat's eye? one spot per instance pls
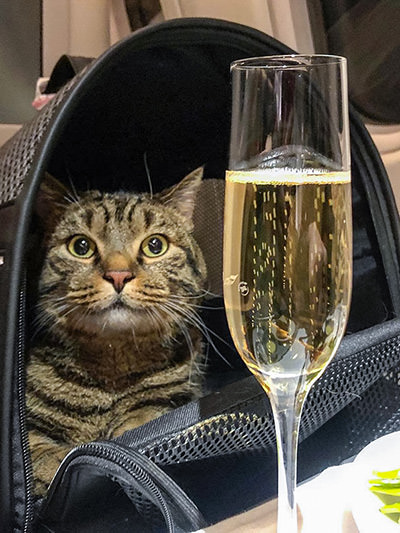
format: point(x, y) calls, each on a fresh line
point(81, 246)
point(154, 246)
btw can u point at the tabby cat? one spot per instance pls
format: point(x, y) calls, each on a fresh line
point(118, 292)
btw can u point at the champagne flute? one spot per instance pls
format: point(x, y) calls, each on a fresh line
point(288, 234)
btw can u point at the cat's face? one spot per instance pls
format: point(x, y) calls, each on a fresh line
point(122, 262)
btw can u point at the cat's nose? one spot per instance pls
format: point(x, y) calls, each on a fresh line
point(118, 278)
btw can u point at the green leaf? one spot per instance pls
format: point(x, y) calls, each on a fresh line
point(385, 489)
point(389, 474)
point(392, 511)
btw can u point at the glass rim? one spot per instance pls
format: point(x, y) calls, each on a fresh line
point(278, 61)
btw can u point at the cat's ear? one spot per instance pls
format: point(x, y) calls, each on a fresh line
point(182, 196)
point(51, 199)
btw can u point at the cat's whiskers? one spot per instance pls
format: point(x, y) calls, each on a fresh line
point(200, 294)
point(198, 306)
point(54, 309)
point(134, 339)
point(146, 166)
point(56, 303)
point(189, 342)
point(206, 292)
point(41, 321)
point(49, 298)
point(91, 300)
point(50, 315)
point(181, 297)
point(73, 193)
point(186, 334)
point(83, 293)
point(209, 307)
point(105, 323)
point(195, 320)
point(71, 310)
point(196, 368)
point(156, 319)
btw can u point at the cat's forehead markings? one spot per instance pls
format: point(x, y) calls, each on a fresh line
point(132, 206)
point(120, 207)
point(148, 218)
point(88, 216)
point(106, 212)
point(76, 217)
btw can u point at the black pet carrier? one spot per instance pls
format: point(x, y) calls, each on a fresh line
point(159, 103)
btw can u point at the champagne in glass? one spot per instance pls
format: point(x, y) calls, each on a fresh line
point(287, 234)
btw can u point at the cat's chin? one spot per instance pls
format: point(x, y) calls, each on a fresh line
point(120, 319)
point(116, 319)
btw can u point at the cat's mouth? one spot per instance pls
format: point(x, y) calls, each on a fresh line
point(118, 308)
point(118, 304)
point(117, 315)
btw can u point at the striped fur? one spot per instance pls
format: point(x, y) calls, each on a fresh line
point(110, 357)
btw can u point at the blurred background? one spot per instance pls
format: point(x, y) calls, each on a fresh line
point(35, 34)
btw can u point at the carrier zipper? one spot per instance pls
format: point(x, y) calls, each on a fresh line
point(113, 454)
point(26, 459)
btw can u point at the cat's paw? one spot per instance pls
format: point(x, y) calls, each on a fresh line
point(46, 458)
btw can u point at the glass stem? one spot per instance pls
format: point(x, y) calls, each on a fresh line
point(287, 409)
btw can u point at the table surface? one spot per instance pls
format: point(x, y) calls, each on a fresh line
point(263, 519)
